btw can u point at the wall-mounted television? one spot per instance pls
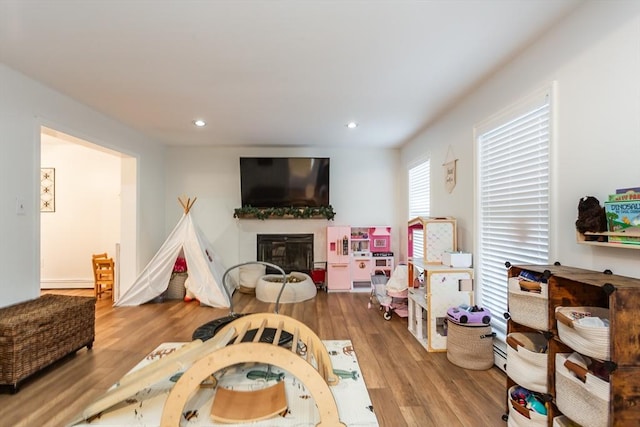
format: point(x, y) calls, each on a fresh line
point(275, 182)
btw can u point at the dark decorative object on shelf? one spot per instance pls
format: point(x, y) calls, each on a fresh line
point(290, 212)
point(591, 217)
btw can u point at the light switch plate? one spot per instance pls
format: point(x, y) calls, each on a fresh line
point(20, 209)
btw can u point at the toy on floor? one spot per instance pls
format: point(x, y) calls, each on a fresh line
point(469, 314)
point(391, 293)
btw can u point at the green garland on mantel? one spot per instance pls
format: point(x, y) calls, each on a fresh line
point(247, 212)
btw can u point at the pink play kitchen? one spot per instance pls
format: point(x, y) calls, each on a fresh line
point(354, 254)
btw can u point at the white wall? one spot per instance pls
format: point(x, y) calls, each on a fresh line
point(25, 106)
point(87, 216)
point(594, 56)
point(363, 191)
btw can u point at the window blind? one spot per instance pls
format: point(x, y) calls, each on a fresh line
point(513, 199)
point(418, 244)
point(420, 189)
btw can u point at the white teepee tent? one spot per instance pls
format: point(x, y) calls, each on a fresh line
point(204, 267)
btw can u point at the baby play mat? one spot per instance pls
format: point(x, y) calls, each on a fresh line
point(300, 287)
point(351, 396)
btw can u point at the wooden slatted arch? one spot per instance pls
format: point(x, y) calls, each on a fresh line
point(312, 367)
point(150, 374)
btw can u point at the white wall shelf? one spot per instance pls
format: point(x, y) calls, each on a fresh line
point(581, 239)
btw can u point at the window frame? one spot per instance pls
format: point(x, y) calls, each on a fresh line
point(502, 118)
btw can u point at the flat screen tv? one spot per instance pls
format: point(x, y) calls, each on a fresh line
point(276, 182)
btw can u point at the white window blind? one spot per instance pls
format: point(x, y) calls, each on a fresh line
point(420, 189)
point(419, 200)
point(418, 244)
point(513, 198)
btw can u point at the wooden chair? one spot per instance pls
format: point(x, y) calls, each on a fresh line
point(103, 274)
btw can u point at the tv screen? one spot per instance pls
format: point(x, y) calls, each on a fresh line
point(276, 182)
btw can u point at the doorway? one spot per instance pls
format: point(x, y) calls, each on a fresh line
point(88, 195)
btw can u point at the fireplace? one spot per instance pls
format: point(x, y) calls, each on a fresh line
point(291, 252)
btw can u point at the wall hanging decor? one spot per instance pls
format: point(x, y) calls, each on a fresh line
point(47, 190)
point(449, 166)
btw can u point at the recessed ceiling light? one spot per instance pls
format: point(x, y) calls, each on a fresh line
point(352, 125)
point(199, 123)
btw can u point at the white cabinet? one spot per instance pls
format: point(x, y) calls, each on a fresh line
point(444, 287)
point(418, 314)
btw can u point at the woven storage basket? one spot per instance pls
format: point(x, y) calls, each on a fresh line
point(529, 308)
point(527, 360)
point(588, 340)
point(36, 333)
point(470, 347)
point(586, 403)
point(519, 416)
point(176, 288)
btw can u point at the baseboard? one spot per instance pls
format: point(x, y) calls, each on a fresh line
point(66, 284)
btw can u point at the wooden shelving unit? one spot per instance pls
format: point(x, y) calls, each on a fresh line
point(574, 287)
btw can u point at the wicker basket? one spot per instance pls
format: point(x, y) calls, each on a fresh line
point(176, 289)
point(519, 416)
point(592, 341)
point(529, 308)
point(527, 360)
point(586, 403)
point(470, 347)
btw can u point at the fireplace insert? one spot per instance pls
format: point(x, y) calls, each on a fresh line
point(292, 252)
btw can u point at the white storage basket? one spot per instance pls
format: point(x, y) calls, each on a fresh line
point(592, 341)
point(586, 403)
point(248, 277)
point(529, 308)
point(519, 416)
point(527, 360)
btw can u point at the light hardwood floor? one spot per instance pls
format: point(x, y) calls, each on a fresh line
point(408, 386)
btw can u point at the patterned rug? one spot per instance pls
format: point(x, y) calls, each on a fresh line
point(350, 394)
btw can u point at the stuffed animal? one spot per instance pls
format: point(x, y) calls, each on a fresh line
point(591, 216)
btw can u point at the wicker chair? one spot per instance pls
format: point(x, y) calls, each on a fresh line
point(103, 274)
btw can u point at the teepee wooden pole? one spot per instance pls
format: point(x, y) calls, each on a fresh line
point(186, 206)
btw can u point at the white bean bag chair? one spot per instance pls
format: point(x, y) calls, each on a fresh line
point(299, 287)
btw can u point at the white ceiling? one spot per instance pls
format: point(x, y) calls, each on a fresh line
point(276, 73)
